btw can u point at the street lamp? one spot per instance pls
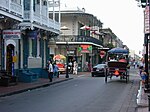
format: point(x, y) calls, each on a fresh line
point(67, 47)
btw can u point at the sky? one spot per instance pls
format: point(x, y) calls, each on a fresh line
point(124, 17)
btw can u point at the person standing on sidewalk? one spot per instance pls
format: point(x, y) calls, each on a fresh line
point(75, 68)
point(56, 70)
point(143, 75)
point(50, 71)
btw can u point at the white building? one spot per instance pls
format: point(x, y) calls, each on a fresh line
point(27, 30)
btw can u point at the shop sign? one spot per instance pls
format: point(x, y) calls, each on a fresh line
point(11, 34)
point(71, 52)
point(146, 20)
point(102, 54)
point(32, 34)
point(85, 49)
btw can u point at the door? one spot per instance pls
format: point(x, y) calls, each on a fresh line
point(9, 59)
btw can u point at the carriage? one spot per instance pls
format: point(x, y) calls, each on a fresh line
point(115, 67)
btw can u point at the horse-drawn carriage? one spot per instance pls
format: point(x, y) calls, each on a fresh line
point(115, 67)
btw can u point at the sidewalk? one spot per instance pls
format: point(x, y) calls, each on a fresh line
point(142, 100)
point(42, 82)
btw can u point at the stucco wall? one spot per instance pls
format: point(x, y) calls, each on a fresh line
point(34, 62)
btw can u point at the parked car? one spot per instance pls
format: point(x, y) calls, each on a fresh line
point(99, 70)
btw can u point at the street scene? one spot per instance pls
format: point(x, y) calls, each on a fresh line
point(82, 93)
point(74, 56)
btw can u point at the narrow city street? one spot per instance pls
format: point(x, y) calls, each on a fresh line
point(82, 94)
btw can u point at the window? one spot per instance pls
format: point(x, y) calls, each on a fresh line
point(37, 1)
point(16, 1)
point(27, 4)
point(45, 3)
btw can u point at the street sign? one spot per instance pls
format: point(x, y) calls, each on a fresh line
point(146, 20)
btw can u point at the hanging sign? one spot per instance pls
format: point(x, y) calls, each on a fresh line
point(102, 54)
point(146, 20)
point(85, 49)
point(11, 34)
point(32, 34)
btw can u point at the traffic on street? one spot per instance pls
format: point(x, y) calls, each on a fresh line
point(81, 94)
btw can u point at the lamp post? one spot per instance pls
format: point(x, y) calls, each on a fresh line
point(67, 47)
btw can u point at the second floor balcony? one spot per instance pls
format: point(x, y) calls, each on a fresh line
point(37, 13)
point(78, 38)
point(12, 7)
point(41, 20)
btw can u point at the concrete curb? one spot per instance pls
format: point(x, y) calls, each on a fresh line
point(140, 101)
point(139, 95)
point(32, 88)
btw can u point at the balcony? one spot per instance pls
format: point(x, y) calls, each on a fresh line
point(9, 7)
point(41, 18)
point(78, 38)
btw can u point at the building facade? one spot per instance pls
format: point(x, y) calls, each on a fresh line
point(80, 39)
point(11, 15)
point(26, 30)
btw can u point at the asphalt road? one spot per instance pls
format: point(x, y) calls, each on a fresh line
point(82, 94)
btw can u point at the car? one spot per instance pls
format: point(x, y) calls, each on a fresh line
point(99, 70)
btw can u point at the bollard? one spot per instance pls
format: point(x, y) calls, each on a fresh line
point(149, 102)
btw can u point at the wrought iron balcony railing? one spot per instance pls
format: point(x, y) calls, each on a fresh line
point(78, 38)
point(15, 8)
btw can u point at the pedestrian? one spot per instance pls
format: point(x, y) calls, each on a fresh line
point(89, 67)
point(75, 68)
point(122, 59)
point(85, 67)
point(56, 70)
point(112, 59)
point(143, 75)
point(134, 64)
point(50, 71)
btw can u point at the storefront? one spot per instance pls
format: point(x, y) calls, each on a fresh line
point(11, 50)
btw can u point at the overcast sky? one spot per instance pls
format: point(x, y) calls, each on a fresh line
point(123, 17)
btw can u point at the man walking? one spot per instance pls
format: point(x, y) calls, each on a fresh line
point(50, 71)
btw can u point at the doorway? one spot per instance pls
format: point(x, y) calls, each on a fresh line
point(9, 59)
